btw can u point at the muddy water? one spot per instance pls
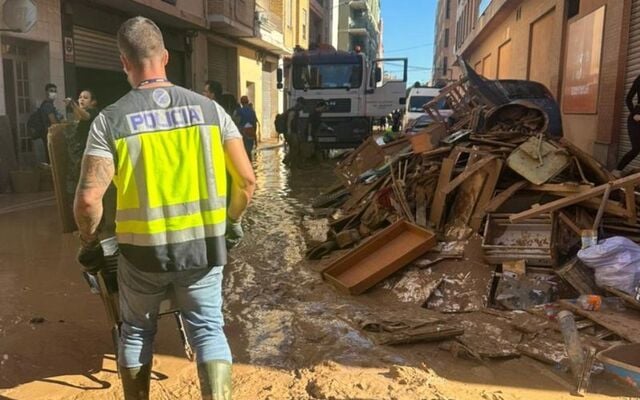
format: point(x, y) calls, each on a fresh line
point(291, 334)
point(272, 296)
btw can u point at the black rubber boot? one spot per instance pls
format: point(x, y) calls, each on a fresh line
point(215, 380)
point(135, 382)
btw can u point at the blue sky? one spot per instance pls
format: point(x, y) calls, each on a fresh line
point(408, 32)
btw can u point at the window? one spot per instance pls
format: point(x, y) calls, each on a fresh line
point(304, 23)
point(573, 8)
point(448, 9)
point(483, 6)
point(327, 76)
point(445, 66)
point(416, 103)
point(446, 38)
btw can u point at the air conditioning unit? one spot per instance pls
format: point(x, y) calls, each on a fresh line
point(261, 17)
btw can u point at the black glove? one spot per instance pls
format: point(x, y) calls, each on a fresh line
point(91, 256)
point(234, 233)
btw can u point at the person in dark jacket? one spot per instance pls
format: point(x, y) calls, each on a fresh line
point(633, 128)
point(50, 115)
point(85, 110)
point(247, 122)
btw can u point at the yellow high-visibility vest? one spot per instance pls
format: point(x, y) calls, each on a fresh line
point(170, 179)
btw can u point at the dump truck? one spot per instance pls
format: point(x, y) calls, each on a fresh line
point(358, 92)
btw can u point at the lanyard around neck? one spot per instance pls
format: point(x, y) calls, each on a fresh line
point(151, 81)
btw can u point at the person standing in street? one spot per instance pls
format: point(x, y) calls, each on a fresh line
point(633, 128)
point(46, 115)
point(314, 126)
point(84, 111)
point(168, 151)
point(213, 90)
point(247, 121)
point(293, 134)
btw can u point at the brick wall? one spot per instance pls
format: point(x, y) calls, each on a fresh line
point(595, 133)
point(517, 31)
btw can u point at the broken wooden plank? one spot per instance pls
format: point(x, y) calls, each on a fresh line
point(569, 222)
point(612, 207)
point(437, 207)
point(421, 206)
point(603, 204)
point(57, 145)
point(505, 195)
point(559, 187)
point(464, 204)
point(598, 170)
point(630, 200)
point(450, 186)
point(435, 152)
point(623, 323)
point(487, 193)
point(575, 199)
point(493, 142)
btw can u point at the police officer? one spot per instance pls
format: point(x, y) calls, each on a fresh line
point(165, 149)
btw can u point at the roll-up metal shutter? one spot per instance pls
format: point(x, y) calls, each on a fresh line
point(97, 50)
point(218, 61)
point(633, 70)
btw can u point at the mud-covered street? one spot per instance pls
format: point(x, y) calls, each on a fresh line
point(290, 333)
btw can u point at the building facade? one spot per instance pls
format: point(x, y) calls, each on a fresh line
point(561, 43)
point(358, 26)
point(73, 45)
point(320, 18)
point(445, 69)
point(29, 61)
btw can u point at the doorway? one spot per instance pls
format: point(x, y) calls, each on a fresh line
point(108, 86)
point(18, 100)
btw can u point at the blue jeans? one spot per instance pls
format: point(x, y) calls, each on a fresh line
point(198, 294)
point(249, 143)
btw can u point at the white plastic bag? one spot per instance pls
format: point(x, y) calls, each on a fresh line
point(616, 262)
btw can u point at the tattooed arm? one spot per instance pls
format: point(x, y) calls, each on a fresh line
point(95, 178)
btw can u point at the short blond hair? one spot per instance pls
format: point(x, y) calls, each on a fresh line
point(139, 38)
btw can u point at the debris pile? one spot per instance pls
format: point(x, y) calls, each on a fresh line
point(481, 219)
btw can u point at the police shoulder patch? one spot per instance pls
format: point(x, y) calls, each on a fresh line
point(162, 98)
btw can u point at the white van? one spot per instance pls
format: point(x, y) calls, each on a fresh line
point(419, 96)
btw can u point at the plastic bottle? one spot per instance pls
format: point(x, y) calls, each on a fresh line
point(572, 343)
point(590, 302)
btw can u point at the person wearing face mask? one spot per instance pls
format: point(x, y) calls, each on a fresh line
point(47, 107)
point(48, 115)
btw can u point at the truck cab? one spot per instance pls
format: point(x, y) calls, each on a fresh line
point(354, 89)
